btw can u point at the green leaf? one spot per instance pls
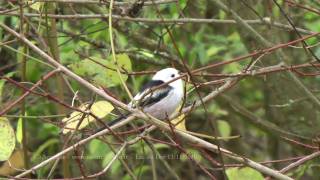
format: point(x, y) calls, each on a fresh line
point(213, 50)
point(7, 139)
point(124, 64)
point(232, 68)
point(97, 149)
point(313, 26)
point(159, 146)
point(34, 71)
point(47, 131)
point(97, 29)
point(182, 3)
point(116, 164)
point(147, 54)
point(103, 72)
point(222, 14)
point(243, 174)
point(224, 128)
point(3, 81)
point(19, 133)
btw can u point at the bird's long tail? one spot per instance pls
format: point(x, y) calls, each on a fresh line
point(113, 122)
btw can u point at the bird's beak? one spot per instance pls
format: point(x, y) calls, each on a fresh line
point(180, 74)
point(184, 77)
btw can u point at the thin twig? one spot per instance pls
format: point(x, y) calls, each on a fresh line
point(179, 21)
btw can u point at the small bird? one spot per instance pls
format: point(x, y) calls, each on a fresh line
point(156, 100)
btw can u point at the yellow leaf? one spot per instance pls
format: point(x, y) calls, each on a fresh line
point(7, 139)
point(35, 5)
point(180, 122)
point(99, 109)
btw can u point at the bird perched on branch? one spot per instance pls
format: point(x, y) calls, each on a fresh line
point(160, 97)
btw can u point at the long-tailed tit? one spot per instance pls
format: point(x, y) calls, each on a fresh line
point(156, 100)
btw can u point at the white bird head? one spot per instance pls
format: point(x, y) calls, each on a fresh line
point(167, 75)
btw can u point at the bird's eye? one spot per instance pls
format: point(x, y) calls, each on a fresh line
point(172, 75)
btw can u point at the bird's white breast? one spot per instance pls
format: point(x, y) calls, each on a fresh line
point(164, 108)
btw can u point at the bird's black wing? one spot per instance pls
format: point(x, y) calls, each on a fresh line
point(151, 84)
point(151, 96)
